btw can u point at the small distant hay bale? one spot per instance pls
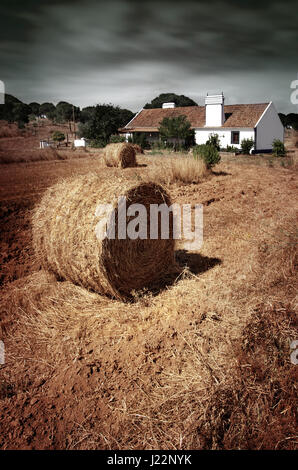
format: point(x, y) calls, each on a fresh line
point(138, 148)
point(121, 155)
point(66, 243)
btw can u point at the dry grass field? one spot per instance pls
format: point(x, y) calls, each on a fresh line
point(201, 361)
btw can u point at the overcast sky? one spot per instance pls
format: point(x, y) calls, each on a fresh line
point(127, 52)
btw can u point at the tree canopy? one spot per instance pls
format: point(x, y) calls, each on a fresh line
point(34, 107)
point(66, 112)
point(103, 121)
point(177, 129)
point(46, 108)
point(58, 136)
point(13, 110)
point(290, 119)
point(179, 100)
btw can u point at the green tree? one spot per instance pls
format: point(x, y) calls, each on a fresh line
point(104, 121)
point(208, 153)
point(87, 114)
point(7, 110)
point(46, 108)
point(290, 119)
point(179, 100)
point(66, 112)
point(34, 107)
point(58, 136)
point(21, 113)
point(177, 129)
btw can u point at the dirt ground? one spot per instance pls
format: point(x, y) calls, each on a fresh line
point(203, 363)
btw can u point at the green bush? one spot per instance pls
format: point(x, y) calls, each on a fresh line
point(208, 153)
point(116, 139)
point(214, 141)
point(139, 138)
point(278, 148)
point(160, 145)
point(246, 146)
point(97, 143)
point(58, 136)
point(229, 148)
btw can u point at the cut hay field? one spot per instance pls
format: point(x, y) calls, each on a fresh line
point(202, 362)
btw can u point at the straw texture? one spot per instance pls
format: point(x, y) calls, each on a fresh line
point(65, 240)
point(121, 155)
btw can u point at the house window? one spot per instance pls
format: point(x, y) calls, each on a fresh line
point(235, 137)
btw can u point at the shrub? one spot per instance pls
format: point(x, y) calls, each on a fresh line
point(278, 148)
point(58, 136)
point(208, 153)
point(246, 146)
point(161, 145)
point(229, 148)
point(214, 141)
point(117, 139)
point(139, 138)
point(97, 143)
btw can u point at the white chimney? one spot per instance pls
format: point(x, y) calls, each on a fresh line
point(168, 105)
point(214, 107)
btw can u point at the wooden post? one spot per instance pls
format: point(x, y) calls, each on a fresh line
point(74, 124)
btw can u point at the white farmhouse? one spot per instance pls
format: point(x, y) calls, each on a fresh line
point(232, 123)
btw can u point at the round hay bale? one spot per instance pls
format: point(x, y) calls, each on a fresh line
point(65, 236)
point(138, 148)
point(121, 155)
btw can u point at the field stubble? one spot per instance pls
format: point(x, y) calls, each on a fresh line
point(204, 362)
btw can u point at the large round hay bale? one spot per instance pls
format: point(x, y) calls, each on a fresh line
point(65, 235)
point(121, 155)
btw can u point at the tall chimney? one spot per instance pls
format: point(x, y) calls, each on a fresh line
point(214, 108)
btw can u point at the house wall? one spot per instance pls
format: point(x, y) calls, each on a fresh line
point(269, 128)
point(79, 143)
point(44, 144)
point(202, 135)
point(150, 138)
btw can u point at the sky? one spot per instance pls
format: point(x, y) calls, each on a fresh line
point(127, 52)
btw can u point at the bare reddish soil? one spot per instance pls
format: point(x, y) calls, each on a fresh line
point(203, 363)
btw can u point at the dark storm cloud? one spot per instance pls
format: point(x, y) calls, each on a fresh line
point(128, 51)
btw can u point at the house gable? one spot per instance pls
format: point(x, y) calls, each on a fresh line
point(268, 128)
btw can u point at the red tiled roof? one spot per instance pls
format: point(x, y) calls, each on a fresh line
point(237, 115)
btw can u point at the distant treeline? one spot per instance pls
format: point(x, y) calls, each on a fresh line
point(13, 110)
point(289, 120)
point(97, 123)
